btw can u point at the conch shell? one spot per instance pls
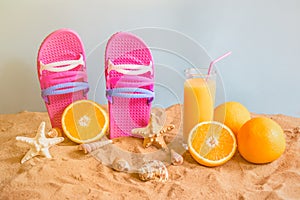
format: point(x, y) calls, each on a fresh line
point(120, 165)
point(176, 158)
point(153, 169)
point(89, 147)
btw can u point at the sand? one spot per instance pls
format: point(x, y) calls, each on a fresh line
point(71, 174)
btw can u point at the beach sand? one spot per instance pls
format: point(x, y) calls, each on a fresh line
point(71, 174)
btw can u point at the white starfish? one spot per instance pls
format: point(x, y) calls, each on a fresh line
point(39, 145)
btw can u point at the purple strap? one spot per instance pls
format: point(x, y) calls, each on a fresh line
point(130, 93)
point(64, 88)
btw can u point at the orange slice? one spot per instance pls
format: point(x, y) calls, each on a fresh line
point(211, 143)
point(84, 121)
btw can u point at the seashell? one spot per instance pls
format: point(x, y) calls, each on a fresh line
point(120, 165)
point(53, 133)
point(89, 147)
point(176, 158)
point(153, 169)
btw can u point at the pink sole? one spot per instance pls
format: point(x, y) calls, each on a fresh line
point(126, 114)
point(63, 44)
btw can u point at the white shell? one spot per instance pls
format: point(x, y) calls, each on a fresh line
point(53, 133)
point(153, 169)
point(176, 158)
point(120, 165)
point(89, 147)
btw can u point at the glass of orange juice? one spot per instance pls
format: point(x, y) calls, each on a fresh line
point(199, 98)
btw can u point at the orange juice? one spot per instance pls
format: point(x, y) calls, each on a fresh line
point(199, 98)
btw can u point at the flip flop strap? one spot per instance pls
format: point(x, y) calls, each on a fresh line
point(64, 88)
point(131, 81)
point(135, 93)
point(61, 66)
point(68, 76)
point(130, 69)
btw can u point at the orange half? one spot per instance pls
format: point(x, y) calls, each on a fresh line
point(211, 143)
point(84, 121)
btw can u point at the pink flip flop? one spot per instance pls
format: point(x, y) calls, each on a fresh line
point(129, 74)
point(62, 72)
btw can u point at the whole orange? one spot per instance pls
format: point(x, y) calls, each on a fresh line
point(232, 114)
point(261, 140)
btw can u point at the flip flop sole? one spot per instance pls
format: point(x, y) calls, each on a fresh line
point(61, 45)
point(127, 113)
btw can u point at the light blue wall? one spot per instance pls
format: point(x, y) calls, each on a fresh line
point(264, 37)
